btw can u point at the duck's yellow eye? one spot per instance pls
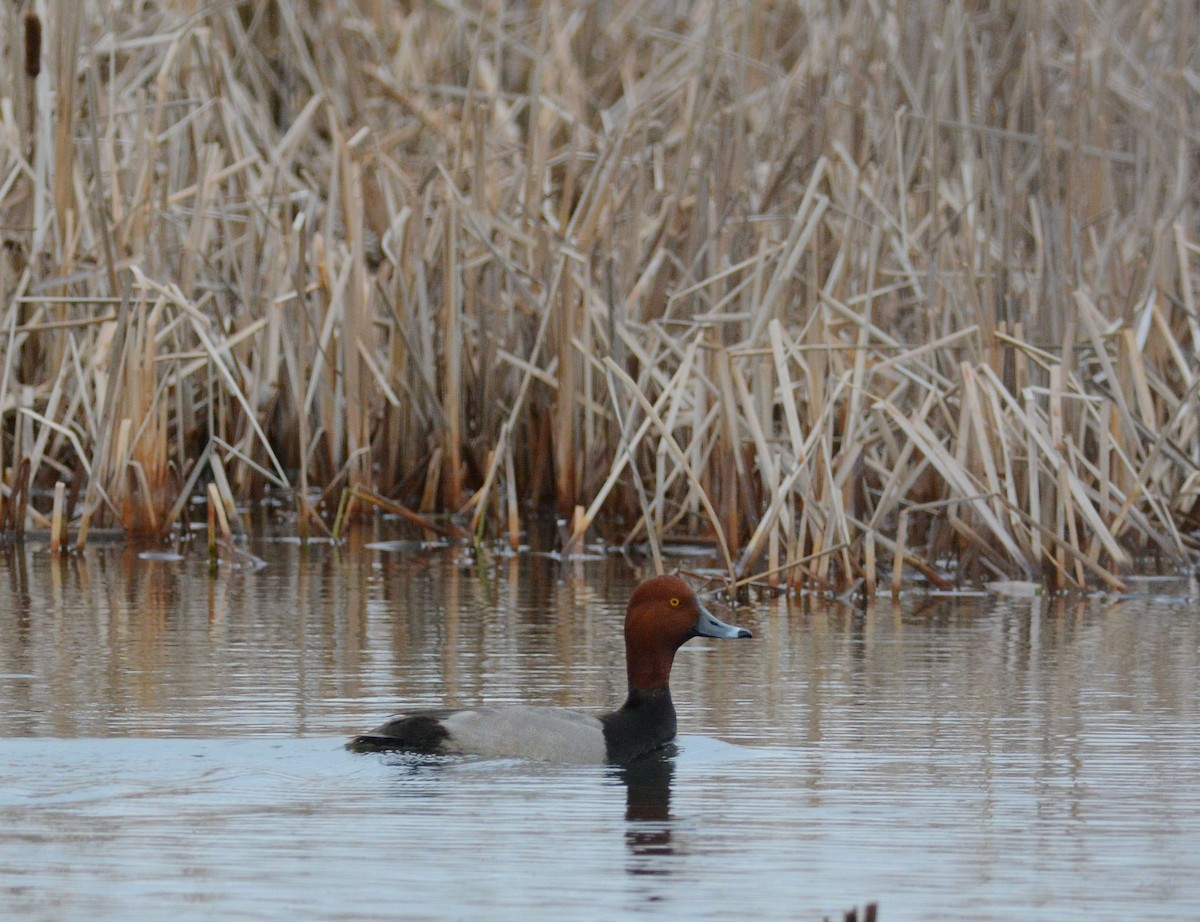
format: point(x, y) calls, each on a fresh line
point(674, 603)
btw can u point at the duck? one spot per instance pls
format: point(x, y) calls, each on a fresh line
point(663, 614)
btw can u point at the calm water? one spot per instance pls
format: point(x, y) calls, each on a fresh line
point(170, 745)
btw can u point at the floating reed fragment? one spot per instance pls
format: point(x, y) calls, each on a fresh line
point(759, 275)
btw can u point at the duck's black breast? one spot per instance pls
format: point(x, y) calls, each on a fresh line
point(644, 723)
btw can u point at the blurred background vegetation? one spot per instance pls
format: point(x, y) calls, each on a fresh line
point(854, 290)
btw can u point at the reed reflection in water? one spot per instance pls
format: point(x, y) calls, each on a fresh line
point(171, 742)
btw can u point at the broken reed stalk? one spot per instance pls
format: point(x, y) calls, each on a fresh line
point(951, 320)
point(442, 529)
point(511, 504)
point(218, 527)
point(345, 504)
point(214, 503)
point(58, 525)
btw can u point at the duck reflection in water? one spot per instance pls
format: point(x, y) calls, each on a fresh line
point(648, 809)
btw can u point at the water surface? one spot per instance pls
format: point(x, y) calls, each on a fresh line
point(170, 743)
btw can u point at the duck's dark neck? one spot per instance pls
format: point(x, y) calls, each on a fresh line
point(643, 723)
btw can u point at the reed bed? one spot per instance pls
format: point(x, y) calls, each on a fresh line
point(856, 291)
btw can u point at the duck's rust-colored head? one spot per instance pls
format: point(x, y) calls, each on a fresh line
point(664, 614)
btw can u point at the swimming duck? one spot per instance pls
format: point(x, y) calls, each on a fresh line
point(663, 614)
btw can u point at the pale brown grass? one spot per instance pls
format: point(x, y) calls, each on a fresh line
point(837, 286)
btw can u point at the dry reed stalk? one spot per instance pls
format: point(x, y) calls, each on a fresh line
point(444, 529)
point(579, 521)
point(344, 510)
point(565, 443)
point(869, 573)
point(479, 501)
point(513, 510)
point(213, 503)
point(898, 555)
point(58, 525)
point(451, 375)
point(800, 564)
point(357, 339)
point(218, 524)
